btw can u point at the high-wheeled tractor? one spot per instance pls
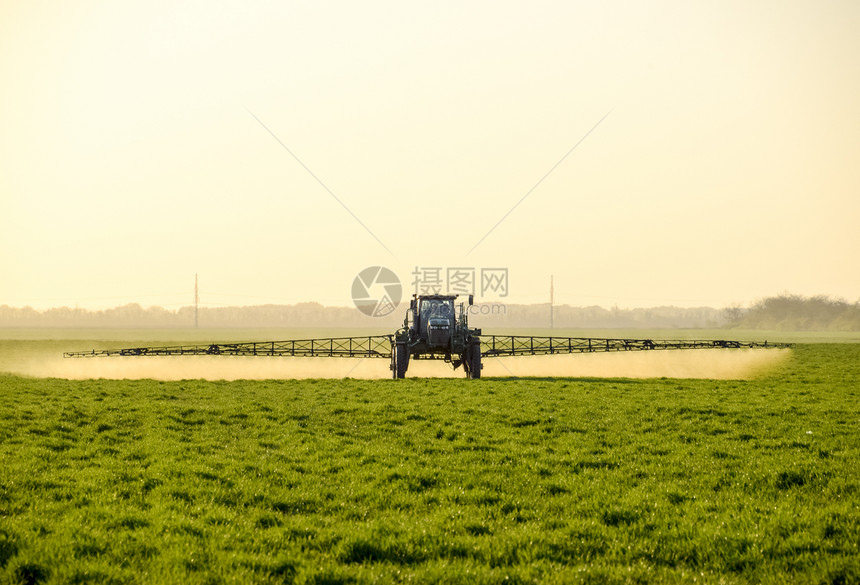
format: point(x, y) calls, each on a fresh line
point(434, 329)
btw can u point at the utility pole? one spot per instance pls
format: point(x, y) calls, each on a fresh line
point(196, 302)
point(550, 301)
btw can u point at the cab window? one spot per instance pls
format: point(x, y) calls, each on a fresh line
point(436, 308)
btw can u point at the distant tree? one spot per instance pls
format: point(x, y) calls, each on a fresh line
point(733, 314)
point(798, 313)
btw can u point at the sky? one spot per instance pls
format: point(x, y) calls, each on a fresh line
point(639, 153)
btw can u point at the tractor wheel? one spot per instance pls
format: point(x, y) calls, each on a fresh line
point(473, 358)
point(399, 360)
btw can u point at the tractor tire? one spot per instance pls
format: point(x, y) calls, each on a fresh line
point(473, 358)
point(399, 360)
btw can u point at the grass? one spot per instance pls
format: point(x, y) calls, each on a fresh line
point(429, 481)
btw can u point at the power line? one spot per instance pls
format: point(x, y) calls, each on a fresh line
point(196, 302)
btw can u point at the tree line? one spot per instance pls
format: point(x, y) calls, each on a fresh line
point(797, 313)
point(306, 315)
point(785, 312)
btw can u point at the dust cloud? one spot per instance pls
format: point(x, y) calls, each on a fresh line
point(724, 364)
point(720, 364)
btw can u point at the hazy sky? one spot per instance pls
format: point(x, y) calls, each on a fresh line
point(728, 168)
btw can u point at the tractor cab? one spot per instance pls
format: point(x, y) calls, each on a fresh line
point(435, 320)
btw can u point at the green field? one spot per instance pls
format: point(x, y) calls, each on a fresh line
point(527, 480)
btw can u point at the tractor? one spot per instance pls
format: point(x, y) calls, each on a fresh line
point(435, 329)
